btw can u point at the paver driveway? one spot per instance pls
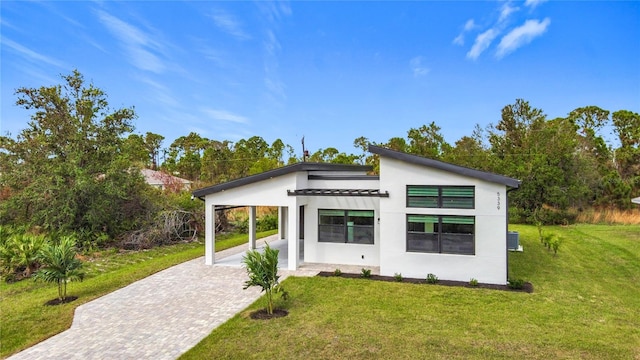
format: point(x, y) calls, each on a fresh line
point(159, 317)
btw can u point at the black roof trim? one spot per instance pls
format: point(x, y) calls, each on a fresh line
point(304, 166)
point(338, 192)
point(343, 177)
point(436, 164)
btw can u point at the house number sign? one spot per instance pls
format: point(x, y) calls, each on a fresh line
point(498, 200)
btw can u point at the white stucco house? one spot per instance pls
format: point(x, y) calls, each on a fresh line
point(419, 216)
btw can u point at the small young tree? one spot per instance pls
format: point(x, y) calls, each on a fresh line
point(60, 265)
point(262, 269)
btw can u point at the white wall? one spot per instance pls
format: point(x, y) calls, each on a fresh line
point(488, 265)
point(335, 253)
point(269, 192)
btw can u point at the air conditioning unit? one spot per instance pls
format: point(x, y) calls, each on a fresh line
point(513, 241)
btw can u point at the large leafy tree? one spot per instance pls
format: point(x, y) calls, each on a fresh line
point(67, 169)
point(185, 156)
point(627, 127)
point(426, 141)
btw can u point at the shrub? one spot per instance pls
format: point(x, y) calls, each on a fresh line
point(432, 279)
point(337, 272)
point(262, 269)
point(473, 282)
point(555, 244)
point(397, 277)
point(365, 273)
point(19, 254)
point(267, 222)
point(60, 265)
point(515, 284)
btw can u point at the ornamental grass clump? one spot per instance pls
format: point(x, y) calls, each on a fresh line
point(262, 269)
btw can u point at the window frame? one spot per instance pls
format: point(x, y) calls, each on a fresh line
point(439, 234)
point(440, 203)
point(346, 227)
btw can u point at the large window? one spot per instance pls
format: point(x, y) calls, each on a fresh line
point(441, 234)
point(345, 226)
point(448, 197)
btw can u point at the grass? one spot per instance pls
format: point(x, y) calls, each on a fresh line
point(585, 305)
point(608, 216)
point(26, 321)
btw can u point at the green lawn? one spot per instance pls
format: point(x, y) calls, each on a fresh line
point(586, 304)
point(24, 320)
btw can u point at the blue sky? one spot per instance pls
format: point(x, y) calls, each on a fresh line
point(329, 71)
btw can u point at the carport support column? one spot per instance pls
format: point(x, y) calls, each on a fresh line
point(292, 236)
point(252, 227)
point(209, 234)
point(282, 222)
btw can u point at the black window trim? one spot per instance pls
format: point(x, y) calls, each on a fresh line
point(346, 216)
point(440, 187)
point(406, 243)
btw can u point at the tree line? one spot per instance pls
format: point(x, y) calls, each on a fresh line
point(72, 167)
point(564, 163)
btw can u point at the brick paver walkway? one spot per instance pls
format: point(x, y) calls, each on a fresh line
point(159, 317)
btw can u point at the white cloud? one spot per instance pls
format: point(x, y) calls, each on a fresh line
point(418, 67)
point(274, 11)
point(507, 10)
point(225, 116)
point(228, 23)
point(162, 93)
point(271, 43)
point(482, 42)
point(469, 25)
point(139, 45)
point(30, 55)
point(522, 35)
point(459, 40)
point(533, 3)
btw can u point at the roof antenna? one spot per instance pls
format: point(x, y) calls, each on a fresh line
point(305, 152)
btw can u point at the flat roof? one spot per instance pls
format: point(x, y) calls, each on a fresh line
point(441, 165)
point(304, 166)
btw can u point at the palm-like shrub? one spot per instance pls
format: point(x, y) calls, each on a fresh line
point(262, 269)
point(19, 253)
point(60, 265)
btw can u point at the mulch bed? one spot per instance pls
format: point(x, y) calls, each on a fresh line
point(528, 287)
point(263, 315)
point(59, 302)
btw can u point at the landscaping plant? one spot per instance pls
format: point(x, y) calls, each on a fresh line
point(366, 273)
point(60, 265)
point(262, 269)
point(19, 254)
point(432, 279)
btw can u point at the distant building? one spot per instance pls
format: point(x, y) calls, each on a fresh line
point(163, 181)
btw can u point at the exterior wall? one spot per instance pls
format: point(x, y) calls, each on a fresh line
point(488, 265)
point(335, 253)
point(271, 192)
